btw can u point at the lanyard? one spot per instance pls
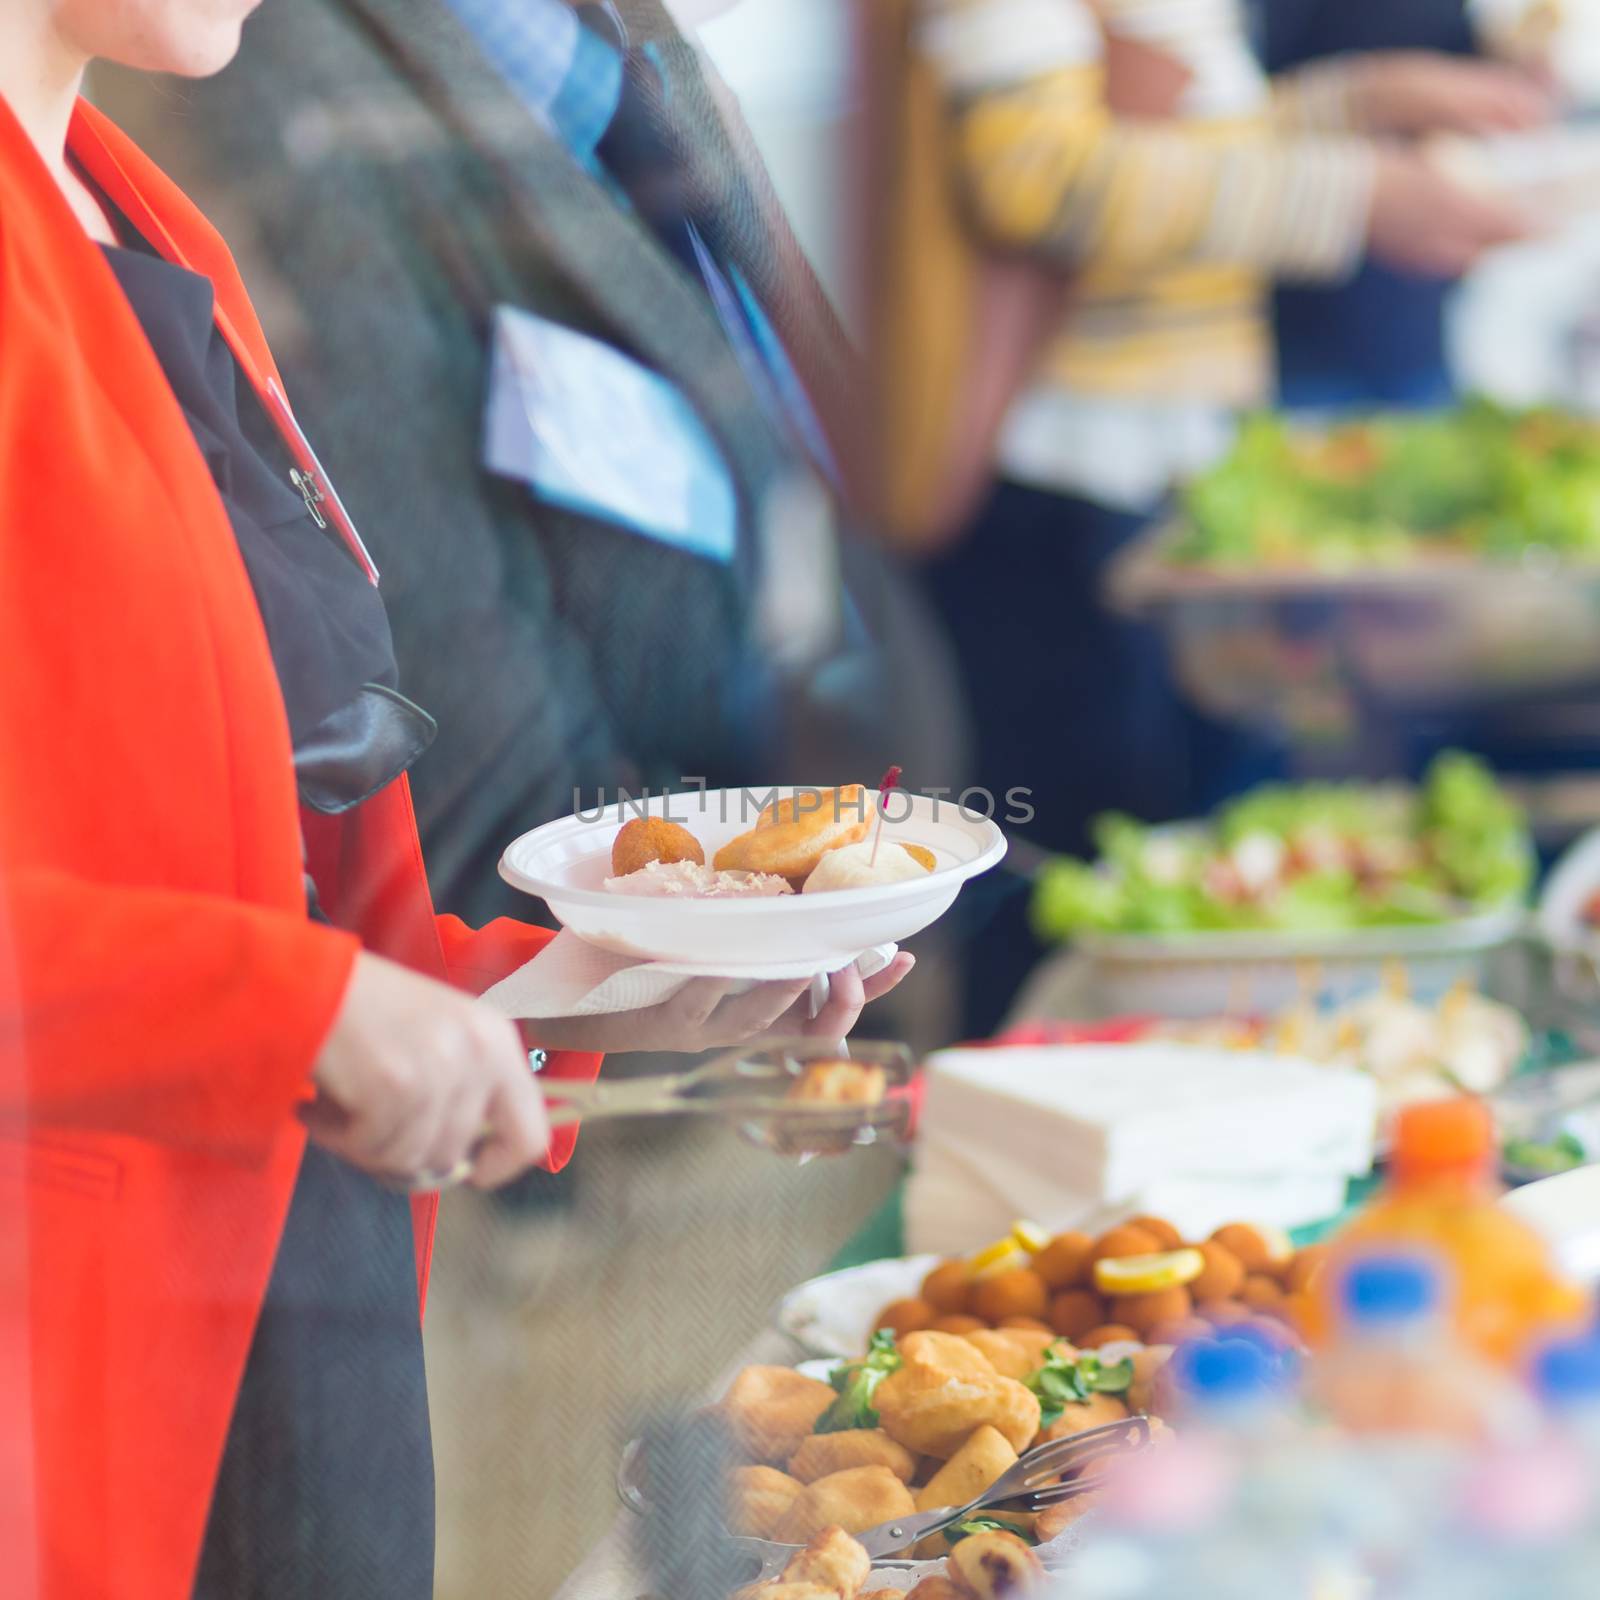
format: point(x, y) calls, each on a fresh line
point(307, 474)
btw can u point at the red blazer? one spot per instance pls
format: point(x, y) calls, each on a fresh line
point(162, 994)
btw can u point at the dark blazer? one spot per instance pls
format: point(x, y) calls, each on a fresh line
point(387, 191)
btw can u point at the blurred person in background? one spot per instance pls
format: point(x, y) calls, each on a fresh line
point(448, 196)
point(1129, 183)
point(1378, 338)
point(231, 1032)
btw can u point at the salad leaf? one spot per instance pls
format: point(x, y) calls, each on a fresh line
point(1560, 1154)
point(1066, 1380)
point(958, 1531)
point(855, 1382)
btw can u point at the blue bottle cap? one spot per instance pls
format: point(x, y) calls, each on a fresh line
point(1223, 1372)
point(1387, 1289)
point(1567, 1372)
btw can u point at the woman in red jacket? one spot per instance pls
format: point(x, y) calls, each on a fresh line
point(215, 932)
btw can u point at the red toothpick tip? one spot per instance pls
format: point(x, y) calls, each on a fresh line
point(889, 782)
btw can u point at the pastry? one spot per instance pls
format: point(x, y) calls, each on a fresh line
point(823, 1454)
point(772, 1410)
point(855, 1500)
point(851, 866)
point(642, 840)
point(839, 1083)
point(791, 836)
point(759, 1498)
point(832, 1559)
point(994, 1566)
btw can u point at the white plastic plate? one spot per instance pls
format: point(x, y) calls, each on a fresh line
point(566, 864)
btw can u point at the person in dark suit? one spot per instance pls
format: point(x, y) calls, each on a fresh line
point(401, 185)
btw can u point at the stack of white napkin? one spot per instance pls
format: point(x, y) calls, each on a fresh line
point(1078, 1136)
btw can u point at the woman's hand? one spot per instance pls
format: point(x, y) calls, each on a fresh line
point(413, 1073)
point(1426, 223)
point(1412, 93)
point(702, 1015)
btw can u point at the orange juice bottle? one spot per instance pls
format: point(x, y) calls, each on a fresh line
point(1441, 1196)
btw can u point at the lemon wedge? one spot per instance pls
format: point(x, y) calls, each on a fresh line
point(1030, 1236)
point(1170, 1269)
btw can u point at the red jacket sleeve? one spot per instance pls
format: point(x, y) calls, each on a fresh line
point(480, 957)
point(140, 1011)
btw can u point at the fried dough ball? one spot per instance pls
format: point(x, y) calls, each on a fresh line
point(1222, 1313)
point(785, 1591)
point(855, 1500)
point(1019, 1293)
point(985, 1456)
point(901, 1317)
point(935, 1588)
point(772, 1410)
point(948, 1288)
point(1076, 1311)
point(792, 835)
point(1006, 1355)
point(1258, 1250)
point(1260, 1292)
point(1222, 1274)
point(759, 1498)
point(1094, 1412)
point(946, 1352)
point(957, 1323)
point(1064, 1262)
point(881, 1594)
point(1302, 1270)
point(826, 1453)
point(1142, 1312)
point(1124, 1241)
point(1159, 1228)
point(1024, 1325)
point(934, 1412)
point(1035, 1341)
point(645, 839)
point(1180, 1331)
point(832, 1559)
point(994, 1566)
point(1108, 1333)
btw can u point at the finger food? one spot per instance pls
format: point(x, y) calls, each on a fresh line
point(642, 840)
point(792, 835)
point(759, 1498)
point(833, 1560)
point(994, 1566)
point(856, 1499)
point(824, 1454)
point(853, 866)
point(772, 1410)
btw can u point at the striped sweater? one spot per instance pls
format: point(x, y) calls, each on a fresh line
point(1173, 227)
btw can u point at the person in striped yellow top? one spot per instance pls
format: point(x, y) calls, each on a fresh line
point(1136, 146)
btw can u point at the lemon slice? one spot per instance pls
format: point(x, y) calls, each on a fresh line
point(1280, 1247)
point(1148, 1274)
point(1030, 1236)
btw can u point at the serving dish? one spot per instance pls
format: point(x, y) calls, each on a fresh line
point(565, 863)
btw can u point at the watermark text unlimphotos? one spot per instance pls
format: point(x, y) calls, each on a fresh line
point(675, 803)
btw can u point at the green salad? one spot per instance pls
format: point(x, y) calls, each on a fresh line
point(1480, 481)
point(1303, 858)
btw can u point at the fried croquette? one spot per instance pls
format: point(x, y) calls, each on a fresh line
point(1018, 1293)
point(1024, 1325)
point(1142, 1312)
point(947, 1352)
point(645, 839)
point(1054, 1520)
point(1009, 1358)
point(957, 1322)
point(791, 836)
point(785, 1591)
point(1094, 1412)
point(1064, 1262)
point(823, 1454)
point(1302, 1271)
point(1222, 1313)
point(1148, 1364)
point(1159, 1228)
point(935, 1588)
point(1260, 1292)
point(1179, 1331)
point(994, 1566)
point(948, 1288)
point(832, 1559)
point(759, 1498)
point(935, 1411)
point(1108, 1333)
point(772, 1410)
point(839, 1083)
point(855, 1500)
point(985, 1456)
point(1124, 1241)
point(1222, 1274)
point(1075, 1312)
point(901, 1317)
point(1256, 1249)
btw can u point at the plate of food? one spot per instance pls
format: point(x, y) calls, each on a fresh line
point(1140, 1281)
point(1227, 914)
point(738, 881)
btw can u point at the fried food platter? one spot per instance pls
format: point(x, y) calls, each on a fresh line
point(568, 864)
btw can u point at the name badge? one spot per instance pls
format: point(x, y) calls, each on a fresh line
point(588, 428)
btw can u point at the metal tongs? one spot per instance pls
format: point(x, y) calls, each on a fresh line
point(1047, 1475)
point(751, 1087)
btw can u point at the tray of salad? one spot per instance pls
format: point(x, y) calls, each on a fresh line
point(1440, 555)
point(1228, 914)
